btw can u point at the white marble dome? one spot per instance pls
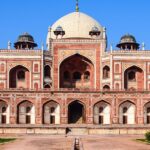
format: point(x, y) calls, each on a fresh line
point(75, 25)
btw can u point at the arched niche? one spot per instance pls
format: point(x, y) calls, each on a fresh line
point(19, 77)
point(134, 78)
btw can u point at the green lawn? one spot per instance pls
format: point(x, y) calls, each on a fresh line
point(143, 141)
point(5, 140)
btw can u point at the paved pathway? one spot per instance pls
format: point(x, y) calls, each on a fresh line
point(39, 142)
point(101, 142)
point(113, 143)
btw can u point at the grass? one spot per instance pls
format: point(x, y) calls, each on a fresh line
point(5, 140)
point(143, 141)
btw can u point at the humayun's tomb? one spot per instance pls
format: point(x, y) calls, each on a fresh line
point(77, 80)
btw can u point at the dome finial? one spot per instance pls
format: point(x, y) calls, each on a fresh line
point(77, 5)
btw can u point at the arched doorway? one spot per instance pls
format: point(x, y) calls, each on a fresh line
point(76, 113)
point(25, 113)
point(127, 113)
point(4, 112)
point(147, 113)
point(102, 113)
point(51, 113)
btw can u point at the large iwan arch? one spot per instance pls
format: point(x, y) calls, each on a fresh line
point(76, 71)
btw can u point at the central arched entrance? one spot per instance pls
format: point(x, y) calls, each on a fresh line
point(77, 71)
point(76, 113)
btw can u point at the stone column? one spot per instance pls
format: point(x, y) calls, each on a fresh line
point(64, 111)
point(38, 110)
point(89, 111)
point(13, 109)
point(115, 115)
point(139, 111)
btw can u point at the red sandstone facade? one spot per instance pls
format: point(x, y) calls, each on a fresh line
point(75, 81)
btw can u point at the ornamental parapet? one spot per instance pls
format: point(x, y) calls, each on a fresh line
point(73, 90)
point(21, 52)
point(128, 51)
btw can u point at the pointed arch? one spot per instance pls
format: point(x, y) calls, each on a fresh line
point(77, 54)
point(19, 77)
point(51, 112)
point(76, 112)
point(102, 112)
point(146, 113)
point(130, 101)
point(76, 71)
point(134, 78)
point(25, 112)
point(127, 110)
point(4, 112)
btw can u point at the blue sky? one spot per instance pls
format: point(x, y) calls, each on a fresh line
point(34, 16)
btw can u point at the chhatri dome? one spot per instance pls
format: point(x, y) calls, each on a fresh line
point(128, 42)
point(75, 25)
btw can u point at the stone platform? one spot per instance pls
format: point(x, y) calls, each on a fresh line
point(73, 129)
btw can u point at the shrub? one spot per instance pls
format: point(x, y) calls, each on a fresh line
point(147, 136)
